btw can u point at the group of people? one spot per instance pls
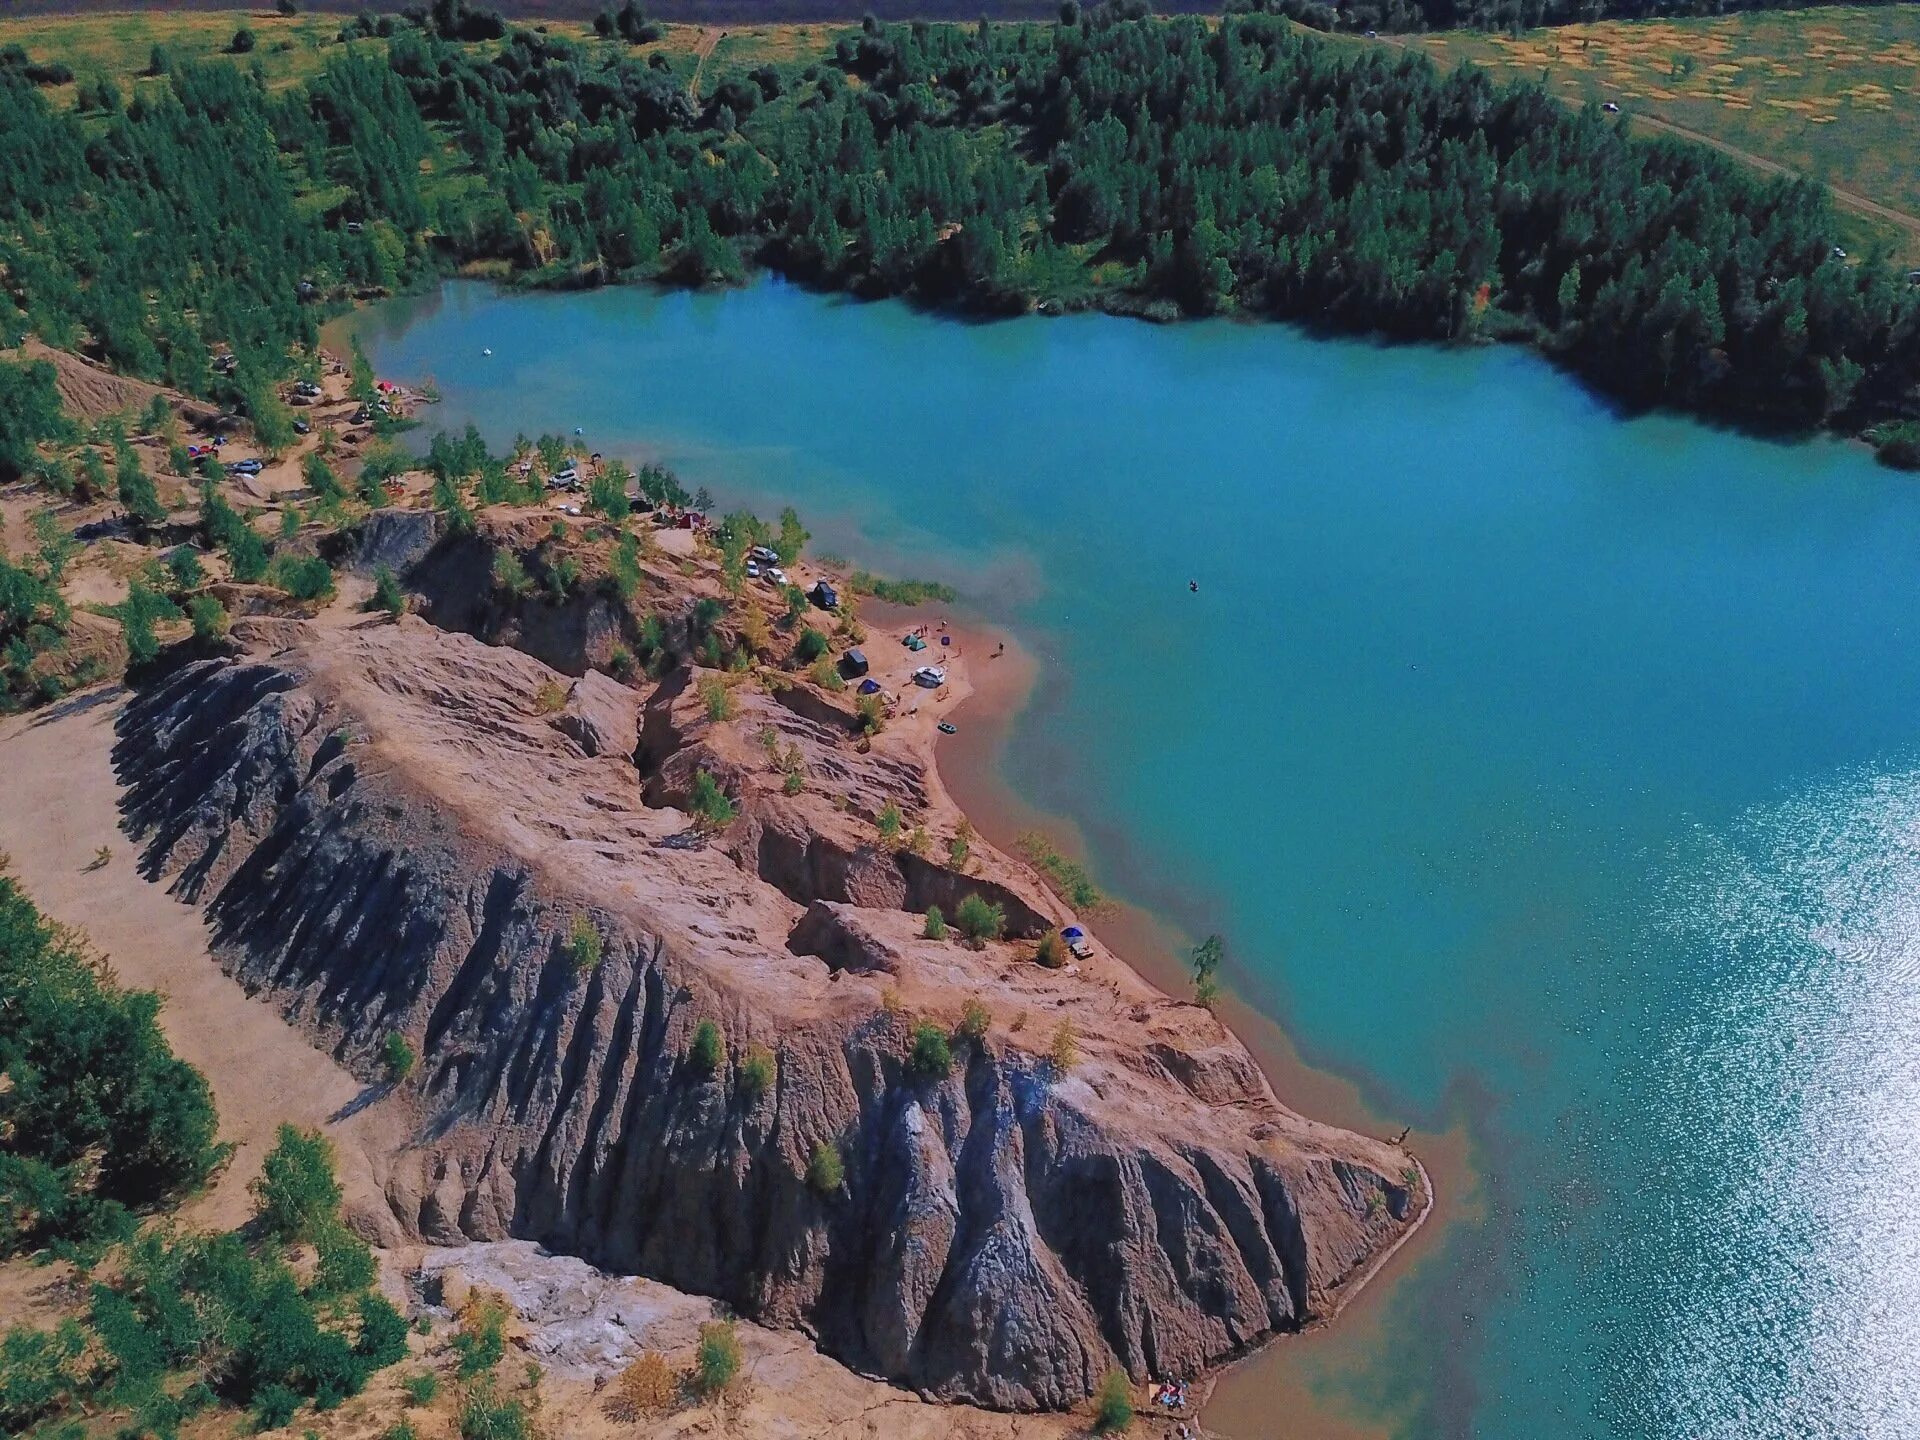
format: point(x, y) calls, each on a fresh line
point(1171, 1393)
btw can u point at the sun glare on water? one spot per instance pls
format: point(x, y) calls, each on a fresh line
point(1790, 1282)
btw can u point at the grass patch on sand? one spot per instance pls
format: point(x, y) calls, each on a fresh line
point(1833, 92)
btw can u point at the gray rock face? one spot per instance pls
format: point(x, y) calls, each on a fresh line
point(385, 838)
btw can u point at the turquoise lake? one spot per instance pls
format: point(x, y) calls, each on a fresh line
point(1550, 773)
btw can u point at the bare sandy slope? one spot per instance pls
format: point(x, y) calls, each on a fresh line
point(58, 805)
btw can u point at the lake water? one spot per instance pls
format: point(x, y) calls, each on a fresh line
point(1551, 774)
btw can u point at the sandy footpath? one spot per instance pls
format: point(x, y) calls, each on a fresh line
point(59, 803)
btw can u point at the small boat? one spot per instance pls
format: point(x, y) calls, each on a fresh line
point(947, 727)
point(486, 350)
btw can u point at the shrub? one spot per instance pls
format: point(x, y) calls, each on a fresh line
point(346, 1262)
point(758, 1070)
point(646, 1386)
point(891, 1001)
point(811, 645)
point(509, 574)
point(1205, 960)
point(717, 697)
point(717, 1360)
point(931, 1057)
point(1051, 951)
point(488, 1415)
point(825, 1172)
point(184, 566)
point(827, 675)
point(958, 853)
point(304, 577)
point(401, 1430)
point(974, 1020)
point(209, 617)
point(387, 594)
point(550, 697)
point(583, 945)
point(936, 926)
point(1112, 1404)
point(397, 1056)
point(708, 803)
point(242, 42)
point(708, 1052)
point(1065, 1049)
point(482, 1337)
point(793, 782)
point(979, 919)
point(871, 715)
point(296, 1195)
point(607, 493)
point(420, 1387)
point(888, 823)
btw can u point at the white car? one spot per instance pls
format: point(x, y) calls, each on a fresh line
point(930, 677)
point(753, 569)
point(766, 555)
point(776, 577)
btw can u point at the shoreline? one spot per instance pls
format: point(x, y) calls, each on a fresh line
point(1237, 1400)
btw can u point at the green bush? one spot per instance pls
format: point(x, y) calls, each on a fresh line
point(420, 1387)
point(708, 1052)
point(304, 577)
point(810, 646)
point(481, 1339)
point(888, 823)
point(346, 1264)
point(584, 945)
point(931, 1057)
point(387, 594)
point(758, 1070)
point(708, 803)
point(209, 617)
point(979, 919)
point(975, 1018)
point(396, 1054)
point(296, 1195)
point(825, 1172)
point(40, 1370)
point(936, 926)
point(717, 1360)
point(1051, 951)
point(1112, 1404)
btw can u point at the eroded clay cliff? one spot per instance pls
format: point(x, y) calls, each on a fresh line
point(393, 829)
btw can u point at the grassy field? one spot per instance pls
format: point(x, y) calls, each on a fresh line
point(287, 48)
point(1832, 93)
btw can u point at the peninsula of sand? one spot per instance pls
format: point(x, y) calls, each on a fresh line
point(708, 978)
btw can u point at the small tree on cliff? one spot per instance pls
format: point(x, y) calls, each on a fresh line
point(708, 1053)
point(931, 1057)
point(296, 1195)
point(825, 1172)
point(1112, 1404)
point(1205, 961)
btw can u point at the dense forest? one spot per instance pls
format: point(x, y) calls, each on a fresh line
point(1513, 15)
point(1165, 166)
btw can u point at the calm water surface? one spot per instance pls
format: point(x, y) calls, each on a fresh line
point(1550, 773)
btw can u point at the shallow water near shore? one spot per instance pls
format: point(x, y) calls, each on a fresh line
point(1555, 779)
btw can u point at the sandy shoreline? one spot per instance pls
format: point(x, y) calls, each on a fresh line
point(1240, 1402)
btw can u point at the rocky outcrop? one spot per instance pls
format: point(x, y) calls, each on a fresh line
point(387, 835)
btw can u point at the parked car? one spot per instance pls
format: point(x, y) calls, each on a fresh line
point(1611, 108)
point(764, 554)
point(753, 569)
point(307, 388)
point(930, 677)
point(301, 427)
point(247, 467)
point(776, 576)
